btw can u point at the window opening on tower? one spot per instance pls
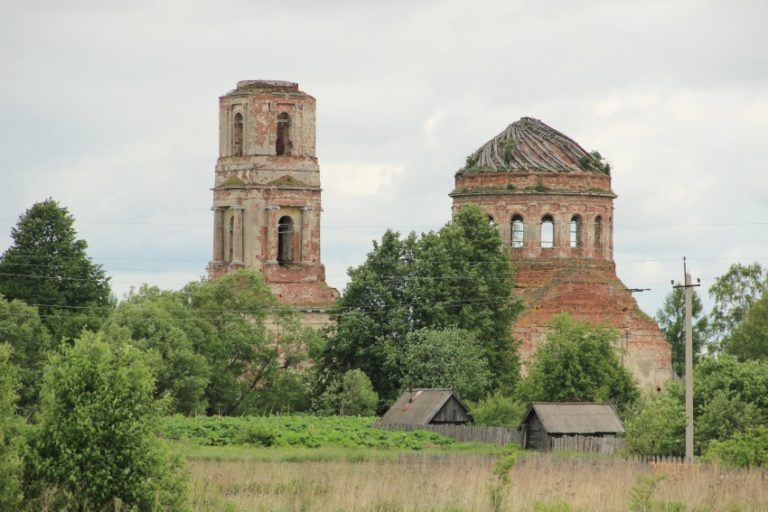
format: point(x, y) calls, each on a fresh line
point(283, 144)
point(547, 232)
point(575, 233)
point(237, 135)
point(285, 240)
point(518, 231)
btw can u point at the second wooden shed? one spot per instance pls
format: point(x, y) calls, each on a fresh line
point(546, 420)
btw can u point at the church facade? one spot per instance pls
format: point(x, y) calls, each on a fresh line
point(553, 204)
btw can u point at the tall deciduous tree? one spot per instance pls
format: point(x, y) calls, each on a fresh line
point(463, 279)
point(458, 277)
point(243, 353)
point(578, 362)
point(160, 323)
point(671, 318)
point(749, 340)
point(734, 293)
point(47, 267)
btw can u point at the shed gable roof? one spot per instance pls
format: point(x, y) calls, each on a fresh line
point(576, 417)
point(419, 406)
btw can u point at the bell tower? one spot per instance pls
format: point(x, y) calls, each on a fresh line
point(266, 194)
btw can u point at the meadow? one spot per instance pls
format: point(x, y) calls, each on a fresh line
point(372, 472)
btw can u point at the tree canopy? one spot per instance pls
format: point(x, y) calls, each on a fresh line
point(458, 277)
point(733, 294)
point(22, 329)
point(446, 358)
point(578, 362)
point(47, 267)
point(671, 319)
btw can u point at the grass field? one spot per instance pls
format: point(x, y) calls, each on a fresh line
point(385, 481)
point(304, 463)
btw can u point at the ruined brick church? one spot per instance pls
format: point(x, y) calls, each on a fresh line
point(551, 200)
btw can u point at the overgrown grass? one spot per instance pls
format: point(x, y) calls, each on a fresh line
point(461, 481)
point(296, 431)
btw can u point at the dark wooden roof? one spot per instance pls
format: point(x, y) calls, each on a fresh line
point(419, 406)
point(576, 417)
point(530, 145)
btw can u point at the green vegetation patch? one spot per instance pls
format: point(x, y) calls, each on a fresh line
point(233, 181)
point(296, 431)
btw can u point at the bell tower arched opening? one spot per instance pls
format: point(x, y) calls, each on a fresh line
point(283, 143)
point(237, 135)
point(285, 240)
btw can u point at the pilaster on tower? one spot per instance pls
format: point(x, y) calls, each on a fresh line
point(266, 194)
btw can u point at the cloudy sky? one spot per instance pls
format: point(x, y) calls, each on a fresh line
point(111, 108)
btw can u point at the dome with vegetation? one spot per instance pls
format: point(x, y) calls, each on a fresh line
point(528, 145)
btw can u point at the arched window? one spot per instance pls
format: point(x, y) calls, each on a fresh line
point(518, 231)
point(575, 238)
point(237, 135)
point(490, 220)
point(285, 240)
point(598, 232)
point(547, 232)
point(231, 237)
point(283, 144)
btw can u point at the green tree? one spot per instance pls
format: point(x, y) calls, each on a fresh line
point(446, 358)
point(350, 395)
point(159, 323)
point(47, 267)
point(671, 319)
point(95, 443)
point(730, 396)
point(458, 277)
point(499, 410)
point(243, 354)
point(22, 329)
point(10, 461)
point(744, 449)
point(655, 424)
point(749, 339)
point(373, 317)
point(357, 397)
point(578, 362)
point(733, 294)
point(463, 279)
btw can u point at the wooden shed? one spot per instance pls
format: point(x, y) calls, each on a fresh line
point(427, 407)
point(547, 420)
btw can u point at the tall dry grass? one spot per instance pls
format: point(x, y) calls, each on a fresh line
point(463, 483)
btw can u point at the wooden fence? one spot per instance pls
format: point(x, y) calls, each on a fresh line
point(466, 433)
point(591, 444)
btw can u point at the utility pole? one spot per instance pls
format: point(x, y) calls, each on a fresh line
point(688, 360)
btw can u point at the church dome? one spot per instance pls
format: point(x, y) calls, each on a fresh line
point(528, 145)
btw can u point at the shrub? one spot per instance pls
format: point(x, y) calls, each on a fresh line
point(743, 449)
point(498, 410)
point(257, 435)
point(656, 424)
point(95, 442)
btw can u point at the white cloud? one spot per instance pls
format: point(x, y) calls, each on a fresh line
point(358, 178)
